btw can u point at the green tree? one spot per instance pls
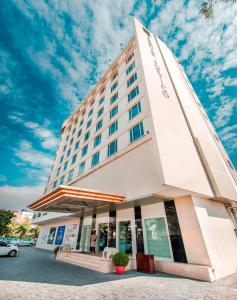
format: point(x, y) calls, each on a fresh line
point(5, 219)
point(34, 232)
point(23, 229)
point(207, 8)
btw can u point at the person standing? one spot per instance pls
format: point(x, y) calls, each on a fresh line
point(93, 241)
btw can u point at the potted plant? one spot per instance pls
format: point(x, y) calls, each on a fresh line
point(120, 261)
point(55, 250)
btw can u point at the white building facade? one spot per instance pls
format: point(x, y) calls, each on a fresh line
point(140, 163)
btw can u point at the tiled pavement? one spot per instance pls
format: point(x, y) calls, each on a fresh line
point(36, 275)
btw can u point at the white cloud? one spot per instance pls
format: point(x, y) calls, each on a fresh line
point(15, 198)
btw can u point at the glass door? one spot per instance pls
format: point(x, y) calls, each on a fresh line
point(103, 236)
point(85, 238)
point(125, 237)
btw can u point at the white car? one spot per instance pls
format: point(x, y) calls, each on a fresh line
point(9, 250)
point(26, 243)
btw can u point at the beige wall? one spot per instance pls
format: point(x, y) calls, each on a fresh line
point(208, 234)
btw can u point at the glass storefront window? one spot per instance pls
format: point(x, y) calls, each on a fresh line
point(157, 237)
point(125, 237)
point(51, 235)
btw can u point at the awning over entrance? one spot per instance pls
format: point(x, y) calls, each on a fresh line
point(67, 199)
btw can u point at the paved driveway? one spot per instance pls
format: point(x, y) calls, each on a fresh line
point(36, 275)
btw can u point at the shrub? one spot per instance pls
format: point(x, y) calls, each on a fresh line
point(120, 259)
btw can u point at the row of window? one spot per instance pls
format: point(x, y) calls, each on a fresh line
point(135, 133)
point(113, 98)
point(133, 112)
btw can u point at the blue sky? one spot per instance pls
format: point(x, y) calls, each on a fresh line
point(52, 53)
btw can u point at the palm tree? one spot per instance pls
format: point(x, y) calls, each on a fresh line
point(21, 230)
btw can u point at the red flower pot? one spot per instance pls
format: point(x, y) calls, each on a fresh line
point(120, 270)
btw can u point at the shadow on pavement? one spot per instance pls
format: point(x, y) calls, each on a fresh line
point(39, 266)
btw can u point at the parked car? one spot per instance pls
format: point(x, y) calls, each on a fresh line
point(26, 243)
point(14, 242)
point(8, 250)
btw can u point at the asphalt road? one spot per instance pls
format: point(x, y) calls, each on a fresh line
point(35, 274)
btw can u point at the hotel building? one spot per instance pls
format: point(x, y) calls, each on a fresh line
point(140, 163)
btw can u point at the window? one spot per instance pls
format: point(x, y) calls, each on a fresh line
point(58, 171)
point(112, 148)
point(114, 98)
point(99, 125)
point(62, 180)
point(95, 159)
point(133, 94)
point(129, 58)
point(64, 148)
point(79, 133)
point(82, 121)
point(74, 158)
point(102, 90)
point(135, 110)
point(82, 167)
point(90, 113)
point(114, 112)
point(67, 138)
point(84, 150)
point(113, 87)
point(100, 112)
point(83, 113)
point(73, 130)
point(114, 76)
point(71, 141)
point(130, 68)
point(132, 79)
point(87, 135)
point(77, 145)
point(113, 128)
point(92, 102)
point(65, 166)
point(68, 152)
point(70, 175)
point(101, 100)
point(61, 159)
point(97, 140)
point(88, 124)
point(136, 132)
point(54, 184)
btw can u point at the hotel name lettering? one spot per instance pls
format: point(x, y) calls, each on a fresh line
point(163, 87)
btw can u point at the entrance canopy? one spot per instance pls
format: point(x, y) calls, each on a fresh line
point(67, 199)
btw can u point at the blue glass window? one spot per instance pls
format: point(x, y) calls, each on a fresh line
point(113, 127)
point(68, 152)
point(95, 159)
point(99, 125)
point(136, 132)
point(129, 58)
point(82, 121)
point(114, 98)
point(87, 135)
point(112, 148)
point(82, 167)
point(73, 130)
point(135, 110)
point(79, 133)
point(90, 113)
point(61, 159)
point(100, 112)
point(64, 148)
point(113, 87)
point(88, 124)
point(84, 150)
point(132, 79)
point(54, 184)
point(70, 175)
point(74, 158)
point(133, 94)
point(97, 140)
point(114, 111)
point(62, 180)
point(77, 145)
point(58, 171)
point(65, 166)
point(101, 100)
point(71, 141)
